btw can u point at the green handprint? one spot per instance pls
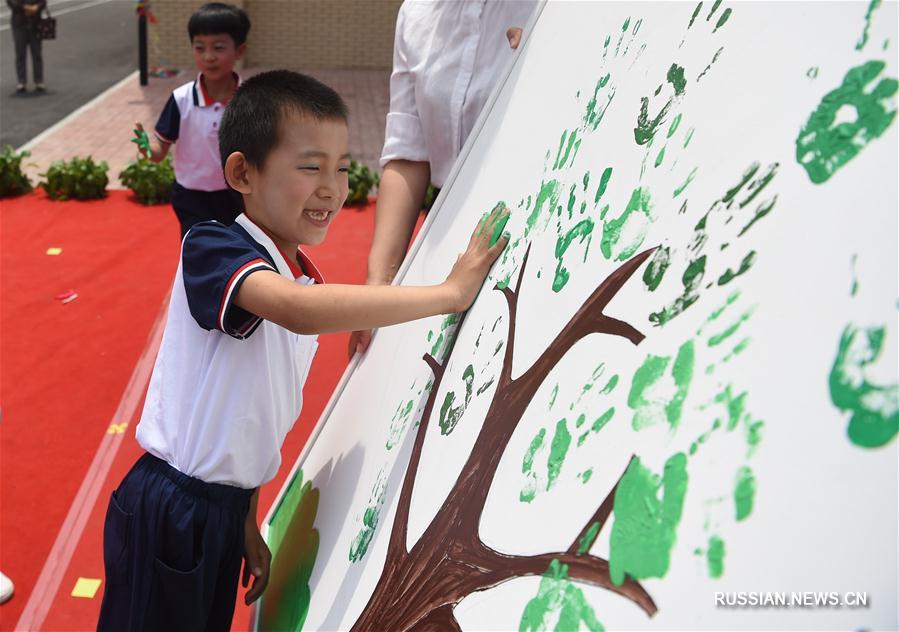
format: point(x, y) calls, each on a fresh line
point(825, 144)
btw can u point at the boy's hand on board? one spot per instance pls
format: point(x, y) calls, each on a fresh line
point(471, 268)
point(256, 563)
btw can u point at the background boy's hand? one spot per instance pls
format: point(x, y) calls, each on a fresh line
point(141, 140)
point(257, 562)
point(485, 245)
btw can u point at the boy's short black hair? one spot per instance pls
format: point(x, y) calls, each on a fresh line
point(217, 17)
point(251, 120)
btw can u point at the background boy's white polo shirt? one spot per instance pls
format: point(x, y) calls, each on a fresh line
point(227, 385)
point(192, 118)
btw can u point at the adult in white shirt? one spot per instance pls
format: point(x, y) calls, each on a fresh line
point(446, 60)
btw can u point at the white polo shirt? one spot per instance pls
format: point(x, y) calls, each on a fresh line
point(447, 57)
point(192, 118)
point(227, 385)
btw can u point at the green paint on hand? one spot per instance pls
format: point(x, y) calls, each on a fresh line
point(689, 179)
point(580, 231)
point(500, 226)
point(552, 397)
point(714, 8)
point(744, 493)
point(860, 44)
point(689, 136)
point(586, 474)
point(729, 275)
point(558, 595)
point(449, 416)
point(825, 144)
point(485, 386)
point(645, 528)
point(715, 553)
point(625, 234)
point(874, 409)
point(812, 73)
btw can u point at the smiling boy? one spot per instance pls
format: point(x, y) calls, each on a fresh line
point(245, 309)
point(191, 117)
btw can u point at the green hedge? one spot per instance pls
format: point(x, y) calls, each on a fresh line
point(76, 179)
point(151, 182)
point(12, 180)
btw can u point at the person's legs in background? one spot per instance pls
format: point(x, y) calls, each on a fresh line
point(37, 60)
point(20, 39)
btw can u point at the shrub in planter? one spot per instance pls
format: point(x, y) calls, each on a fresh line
point(76, 179)
point(362, 179)
point(12, 180)
point(151, 182)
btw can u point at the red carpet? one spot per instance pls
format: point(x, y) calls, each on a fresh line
point(64, 367)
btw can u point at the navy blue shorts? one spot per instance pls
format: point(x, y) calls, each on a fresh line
point(172, 548)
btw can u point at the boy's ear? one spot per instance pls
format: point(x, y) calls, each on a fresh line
point(241, 50)
point(237, 173)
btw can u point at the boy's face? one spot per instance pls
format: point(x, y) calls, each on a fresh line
point(303, 184)
point(215, 55)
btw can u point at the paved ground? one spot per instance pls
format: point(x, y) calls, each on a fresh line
point(103, 128)
point(96, 47)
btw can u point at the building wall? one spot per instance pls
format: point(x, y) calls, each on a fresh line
point(288, 33)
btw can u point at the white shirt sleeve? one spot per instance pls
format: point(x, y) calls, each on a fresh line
point(403, 137)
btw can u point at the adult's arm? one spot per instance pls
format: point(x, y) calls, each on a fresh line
point(400, 198)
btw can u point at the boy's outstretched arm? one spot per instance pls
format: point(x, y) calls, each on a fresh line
point(330, 308)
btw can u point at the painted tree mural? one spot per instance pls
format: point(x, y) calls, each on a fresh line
point(669, 370)
point(419, 587)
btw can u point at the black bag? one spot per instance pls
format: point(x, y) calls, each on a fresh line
point(45, 29)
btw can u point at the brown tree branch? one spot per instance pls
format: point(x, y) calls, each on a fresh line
point(588, 569)
point(397, 545)
point(600, 516)
point(589, 319)
point(505, 376)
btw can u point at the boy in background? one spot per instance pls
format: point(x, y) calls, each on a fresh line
point(191, 118)
point(246, 307)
